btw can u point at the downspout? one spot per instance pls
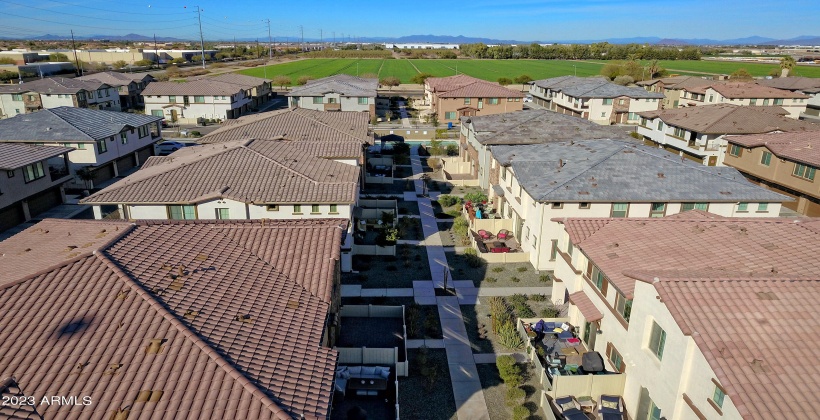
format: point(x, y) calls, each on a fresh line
point(540, 235)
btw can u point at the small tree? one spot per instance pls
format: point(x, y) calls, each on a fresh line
point(420, 78)
point(623, 80)
point(787, 63)
point(611, 70)
point(57, 57)
point(7, 76)
point(144, 63)
point(505, 81)
point(282, 81)
point(302, 80)
point(390, 82)
point(434, 119)
point(119, 64)
point(369, 76)
point(7, 60)
point(178, 60)
point(523, 80)
point(98, 66)
point(741, 74)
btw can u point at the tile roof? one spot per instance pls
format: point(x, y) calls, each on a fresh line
point(585, 305)
point(745, 90)
point(252, 171)
point(64, 124)
point(463, 86)
point(621, 171)
point(341, 83)
point(205, 87)
point(593, 87)
point(730, 119)
point(680, 82)
point(58, 85)
point(742, 327)
point(801, 147)
point(241, 339)
point(537, 126)
point(792, 83)
point(113, 78)
point(13, 156)
point(626, 249)
point(296, 124)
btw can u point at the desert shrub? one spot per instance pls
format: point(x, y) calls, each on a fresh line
point(521, 412)
point(544, 278)
point(472, 258)
point(521, 269)
point(498, 269)
point(475, 197)
point(491, 279)
point(510, 372)
point(517, 299)
point(448, 200)
point(515, 395)
point(461, 226)
point(550, 312)
point(515, 279)
point(452, 150)
point(508, 337)
point(538, 298)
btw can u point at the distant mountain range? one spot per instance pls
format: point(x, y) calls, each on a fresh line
point(460, 39)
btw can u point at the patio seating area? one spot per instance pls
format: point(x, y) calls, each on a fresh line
point(500, 242)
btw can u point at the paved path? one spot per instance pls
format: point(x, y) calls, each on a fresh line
point(469, 396)
point(405, 117)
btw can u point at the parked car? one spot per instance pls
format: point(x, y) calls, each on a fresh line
point(528, 98)
point(168, 147)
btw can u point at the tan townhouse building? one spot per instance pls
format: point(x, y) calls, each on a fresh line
point(129, 85)
point(808, 86)
point(783, 162)
point(673, 87)
point(459, 96)
point(340, 92)
point(594, 98)
point(56, 92)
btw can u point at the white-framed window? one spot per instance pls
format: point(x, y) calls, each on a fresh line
point(450, 115)
point(318, 100)
point(33, 172)
point(222, 213)
point(182, 212)
point(363, 101)
point(766, 158)
point(657, 340)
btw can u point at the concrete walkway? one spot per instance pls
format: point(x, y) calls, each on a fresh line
point(405, 117)
point(469, 396)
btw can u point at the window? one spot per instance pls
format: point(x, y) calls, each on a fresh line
point(143, 131)
point(124, 138)
point(620, 101)
point(679, 132)
point(297, 209)
point(718, 396)
point(363, 101)
point(182, 212)
point(33, 172)
point(492, 101)
point(334, 209)
point(509, 99)
point(660, 125)
point(763, 207)
point(804, 171)
point(657, 209)
point(272, 207)
point(643, 122)
point(778, 102)
point(597, 277)
point(222, 214)
point(16, 97)
point(570, 248)
point(527, 235)
point(101, 146)
point(450, 115)
point(156, 112)
point(466, 101)
point(766, 159)
point(753, 102)
point(615, 357)
point(314, 209)
point(694, 206)
point(620, 209)
point(99, 94)
point(632, 116)
point(765, 102)
point(603, 114)
point(735, 150)
point(583, 205)
point(199, 99)
point(657, 340)
point(504, 173)
point(557, 205)
point(80, 146)
point(608, 101)
point(623, 306)
point(554, 250)
point(711, 98)
point(742, 206)
point(318, 99)
point(10, 174)
point(172, 99)
point(654, 411)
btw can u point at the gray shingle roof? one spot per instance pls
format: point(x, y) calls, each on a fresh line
point(204, 87)
point(68, 124)
point(13, 156)
point(341, 83)
point(593, 87)
point(114, 78)
point(730, 119)
point(620, 171)
point(538, 126)
point(58, 85)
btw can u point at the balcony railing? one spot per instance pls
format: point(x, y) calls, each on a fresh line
point(57, 173)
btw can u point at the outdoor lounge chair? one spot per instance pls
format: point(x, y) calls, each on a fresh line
point(611, 408)
point(570, 408)
point(503, 234)
point(484, 234)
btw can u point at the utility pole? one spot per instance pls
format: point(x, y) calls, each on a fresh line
point(76, 60)
point(302, 42)
point(156, 51)
point(321, 37)
point(257, 48)
point(234, 47)
point(270, 46)
point(201, 38)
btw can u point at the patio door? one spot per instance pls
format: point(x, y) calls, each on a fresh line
point(590, 329)
point(519, 224)
point(480, 103)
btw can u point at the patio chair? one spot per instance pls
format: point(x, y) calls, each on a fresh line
point(570, 408)
point(485, 234)
point(503, 234)
point(611, 407)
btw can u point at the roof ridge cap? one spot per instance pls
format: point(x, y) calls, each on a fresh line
point(309, 116)
point(52, 112)
point(600, 161)
point(189, 334)
point(276, 162)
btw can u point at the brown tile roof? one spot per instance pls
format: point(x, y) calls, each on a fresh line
point(88, 319)
point(585, 305)
point(17, 155)
point(296, 124)
point(792, 83)
point(681, 82)
point(745, 329)
point(730, 119)
point(113, 78)
point(205, 87)
point(253, 171)
point(462, 86)
point(745, 90)
point(674, 247)
point(800, 147)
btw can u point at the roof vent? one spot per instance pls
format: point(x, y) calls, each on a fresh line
point(767, 295)
point(190, 314)
point(661, 175)
point(113, 369)
point(155, 346)
point(122, 294)
point(246, 319)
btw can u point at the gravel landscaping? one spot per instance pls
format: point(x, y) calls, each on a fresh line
point(410, 263)
point(397, 187)
point(423, 398)
point(401, 172)
point(426, 324)
point(447, 212)
point(478, 323)
point(410, 229)
point(495, 392)
point(497, 274)
point(408, 208)
point(448, 237)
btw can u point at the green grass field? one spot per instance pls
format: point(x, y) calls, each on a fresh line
point(493, 69)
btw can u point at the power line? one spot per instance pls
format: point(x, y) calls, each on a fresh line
point(84, 26)
point(120, 11)
point(88, 17)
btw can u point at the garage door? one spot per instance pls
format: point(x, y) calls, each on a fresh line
point(144, 154)
point(103, 173)
point(43, 201)
point(11, 216)
point(125, 163)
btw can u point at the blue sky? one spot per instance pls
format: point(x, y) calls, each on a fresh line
point(517, 19)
